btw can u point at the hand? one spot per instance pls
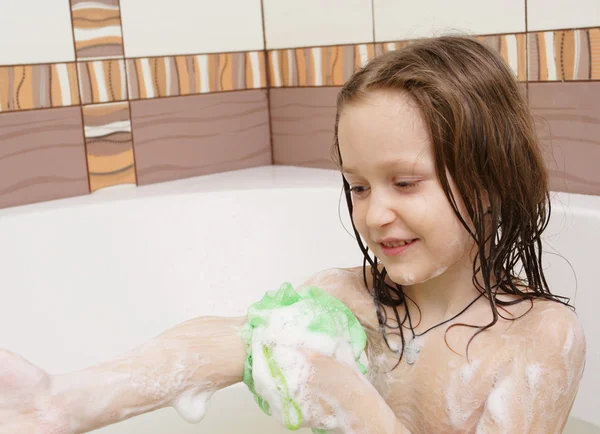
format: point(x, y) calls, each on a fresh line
point(27, 405)
point(343, 395)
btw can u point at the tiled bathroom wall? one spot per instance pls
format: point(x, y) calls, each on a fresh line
point(95, 94)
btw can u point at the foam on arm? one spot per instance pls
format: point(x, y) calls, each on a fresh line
point(181, 368)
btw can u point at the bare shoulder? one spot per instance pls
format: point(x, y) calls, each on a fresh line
point(347, 285)
point(554, 329)
point(543, 359)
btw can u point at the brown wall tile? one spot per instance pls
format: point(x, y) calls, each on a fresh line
point(302, 122)
point(42, 156)
point(97, 29)
point(195, 135)
point(568, 121)
point(108, 144)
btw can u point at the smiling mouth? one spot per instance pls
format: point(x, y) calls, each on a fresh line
point(397, 247)
point(397, 243)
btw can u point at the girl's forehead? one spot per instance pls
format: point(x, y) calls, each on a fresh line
point(383, 128)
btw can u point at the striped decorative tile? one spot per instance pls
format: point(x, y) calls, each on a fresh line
point(513, 49)
point(332, 66)
point(102, 81)
point(189, 75)
point(317, 66)
point(109, 145)
point(564, 55)
point(38, 86)
point(384, 47)
point(97, 29)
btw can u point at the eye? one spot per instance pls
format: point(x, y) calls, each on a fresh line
point(407, 184)
point(357, 190)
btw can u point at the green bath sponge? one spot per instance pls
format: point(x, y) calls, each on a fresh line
point(319, 314)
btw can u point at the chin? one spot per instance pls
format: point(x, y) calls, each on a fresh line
point(407, 276)
point(402, 275)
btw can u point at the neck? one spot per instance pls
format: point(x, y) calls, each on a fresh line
point(442, 297)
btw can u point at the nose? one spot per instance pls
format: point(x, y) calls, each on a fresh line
point(380, 210)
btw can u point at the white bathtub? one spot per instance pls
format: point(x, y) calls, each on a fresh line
point(86, 279)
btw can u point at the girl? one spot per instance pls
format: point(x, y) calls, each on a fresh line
point(448, 195)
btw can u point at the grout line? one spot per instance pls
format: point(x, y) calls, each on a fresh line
point(329, 86)
point(133, 100)
point(275, 49)
point(564, 29)
point(80, 95)
point(270, 119)
point(267, 73)
point(128, 100)
point(307, 47)
point(66, 62)
point(373, 18)
point(35, 109)
point(527, 55)
point(596, 80)
point(267, 80)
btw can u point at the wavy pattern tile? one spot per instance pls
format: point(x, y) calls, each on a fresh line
point(317, 66)
point(42, 156)
point(189, 136)
point(332, 66)
point(302, 122)
point(568, 122)
point(564, 55)
point(97, 29)
point(513, 49)
point(189, 75)
point(109, 145)
point(102, 81)
point(38, 86)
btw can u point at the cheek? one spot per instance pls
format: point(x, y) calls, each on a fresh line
point(445, 237)
point(358, 217)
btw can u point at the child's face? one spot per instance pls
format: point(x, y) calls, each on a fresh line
point(389, 163)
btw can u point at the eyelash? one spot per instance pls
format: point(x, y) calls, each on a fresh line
point(402, 184)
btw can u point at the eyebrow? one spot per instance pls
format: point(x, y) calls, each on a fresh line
point(386, 165)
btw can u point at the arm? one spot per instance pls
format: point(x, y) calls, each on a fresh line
point(342, 390)
point(181, 367)
point(186, 363)
point(200, 355)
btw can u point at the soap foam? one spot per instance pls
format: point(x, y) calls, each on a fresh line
point(497, 403)
point(192, 404)
point(459, 406)
point(533, 375)
point(286, 335)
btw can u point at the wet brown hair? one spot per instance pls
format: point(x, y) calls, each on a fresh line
point(484, 135)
